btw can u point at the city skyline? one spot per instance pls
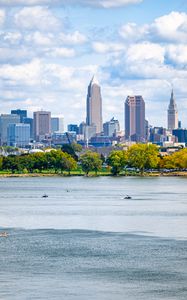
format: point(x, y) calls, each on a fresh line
point(49, 51)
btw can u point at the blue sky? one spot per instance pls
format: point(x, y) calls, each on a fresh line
point(49, 50)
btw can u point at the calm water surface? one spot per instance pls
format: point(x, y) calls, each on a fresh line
point(85, 241)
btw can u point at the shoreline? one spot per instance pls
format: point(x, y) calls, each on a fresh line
point(161, 174)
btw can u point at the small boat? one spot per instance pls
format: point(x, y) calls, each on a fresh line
point(3, 234)
point(127, 197)
point(45, 196)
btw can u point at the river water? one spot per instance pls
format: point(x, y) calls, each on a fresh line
point(85, 241)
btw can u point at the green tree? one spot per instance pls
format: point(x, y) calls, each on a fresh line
point(67, 162)
point(90, 161)
point(117, 159)
point(143, 156)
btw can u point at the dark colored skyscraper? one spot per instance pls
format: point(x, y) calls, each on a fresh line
point(135, 118)
point(20, 112)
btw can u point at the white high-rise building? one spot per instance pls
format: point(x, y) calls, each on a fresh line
point(172, 114)
point(94, 105)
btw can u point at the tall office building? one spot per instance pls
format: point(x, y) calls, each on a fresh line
point(135, 118)
point(172, 114)
point(5, 120)
point(42, 125)
point(18, 135)
point(20, 112)
point(94, 105)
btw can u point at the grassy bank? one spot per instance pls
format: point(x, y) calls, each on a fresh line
point(92, 174)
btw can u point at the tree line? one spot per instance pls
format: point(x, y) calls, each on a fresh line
point(140, 157)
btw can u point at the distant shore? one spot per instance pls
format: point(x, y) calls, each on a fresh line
point(161, 174)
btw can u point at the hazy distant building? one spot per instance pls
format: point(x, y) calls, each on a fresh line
point(172, 114)
point(30, 122)
point(111, 128)
point(90, 131)
point(135, 119)
point(18, 135)
point(20, 112)
point(5, 121)
point(54, 124)
point(82, 127)
point(42, 125)
point(94, 105)
point(61, 124)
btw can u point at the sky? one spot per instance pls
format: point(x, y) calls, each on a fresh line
point(50, 50)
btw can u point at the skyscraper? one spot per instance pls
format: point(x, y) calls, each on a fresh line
point(42, 125)
point(5, 120)
point(94, 105)
point(135, 118)
point(172, 114)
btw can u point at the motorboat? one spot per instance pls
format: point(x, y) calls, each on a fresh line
point(127, 197)
point(45, 196)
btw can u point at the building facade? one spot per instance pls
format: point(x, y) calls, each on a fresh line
point(54, 124)
point(94, 106)
point(73, 128)
point(135, 119)
point(111, 128)
point(42, 125)
point(20, 112)
point(181, 135)
point(18, 135)
point(30, 122)
point(172, 114)
point(5, 121)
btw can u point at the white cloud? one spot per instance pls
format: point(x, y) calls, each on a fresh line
point(115, 3)
point(145, 52)
point(103, 48)
point(171, 27)
point(26, 74)
point(39, 39)
point(62, 52)
point(15, 54)
point(131, 31)
point(177, 54)
point(73, 38)
point(98, 3)
point(12, 37)
point(167, 28)
point(36, 17)
point(2, 17)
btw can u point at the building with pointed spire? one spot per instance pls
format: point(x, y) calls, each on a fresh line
point(172, 113)
point(94, 105)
